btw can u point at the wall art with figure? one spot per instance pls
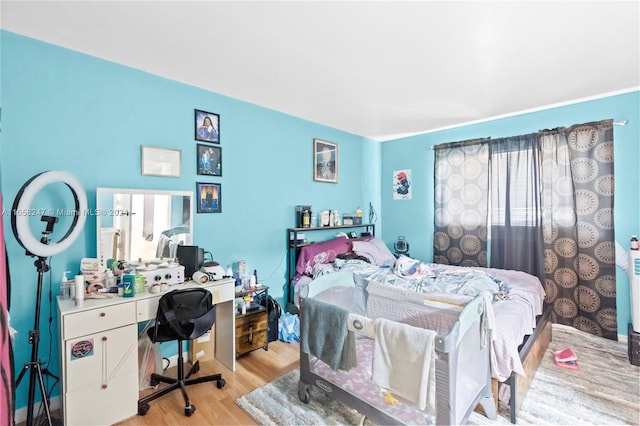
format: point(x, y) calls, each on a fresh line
point(325, 161)
point(209, 197)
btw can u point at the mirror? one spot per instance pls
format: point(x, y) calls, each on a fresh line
point(142, 224)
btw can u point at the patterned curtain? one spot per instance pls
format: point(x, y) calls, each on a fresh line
point(461, 203)
point(577, 206)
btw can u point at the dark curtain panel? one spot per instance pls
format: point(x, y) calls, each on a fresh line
point(577, 204)
point(516, 220)
point(461, 185)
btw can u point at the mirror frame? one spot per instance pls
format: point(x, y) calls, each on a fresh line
point(100, 192)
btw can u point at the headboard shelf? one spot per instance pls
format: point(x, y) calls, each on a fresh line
point(294, 246)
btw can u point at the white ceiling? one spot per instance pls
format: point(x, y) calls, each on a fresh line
point(378, 69)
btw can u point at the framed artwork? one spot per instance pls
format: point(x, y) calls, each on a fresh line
point(209, 160)
point(157, 161)
point(209, 197)
point(207, 126)
point(325, 161)
point(402, 183)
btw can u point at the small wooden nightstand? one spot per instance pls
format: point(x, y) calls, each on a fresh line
point(251, 328)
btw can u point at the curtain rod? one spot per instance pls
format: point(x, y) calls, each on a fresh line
point(622, 122)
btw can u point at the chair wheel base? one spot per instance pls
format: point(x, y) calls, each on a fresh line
point(188, 411)
point(221, 383)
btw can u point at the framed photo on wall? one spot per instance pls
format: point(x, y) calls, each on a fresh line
point(209, 197)
point(157, 161)
point(209, 158)
point(325, 161)
point(207, 126)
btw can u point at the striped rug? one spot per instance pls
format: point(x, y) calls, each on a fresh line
point(604, 391)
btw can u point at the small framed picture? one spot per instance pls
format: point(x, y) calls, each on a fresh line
point(325, 161)
point(157, 161)
point(209, 197)
point(209, 160)
point(207, 126)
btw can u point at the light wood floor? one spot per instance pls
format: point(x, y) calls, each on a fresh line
point(217, 406)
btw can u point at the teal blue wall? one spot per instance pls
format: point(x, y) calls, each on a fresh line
point(62, 110)
point(414, 218)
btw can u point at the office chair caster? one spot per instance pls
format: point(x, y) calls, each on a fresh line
point(221, 383)
point(142, 409)
point(188, 411)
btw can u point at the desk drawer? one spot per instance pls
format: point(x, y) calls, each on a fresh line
point(250, 341)
point(94, 320)
point(95, 405)
point(257, 321)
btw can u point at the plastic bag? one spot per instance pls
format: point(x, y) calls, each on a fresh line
point(149, 360)
point(289, 328)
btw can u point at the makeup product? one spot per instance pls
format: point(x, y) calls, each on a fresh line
point(79, 280)
point(128, 285)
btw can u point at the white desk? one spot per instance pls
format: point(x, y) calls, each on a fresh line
point(99, 351)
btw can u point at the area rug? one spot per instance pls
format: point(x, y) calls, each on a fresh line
point(604, 391)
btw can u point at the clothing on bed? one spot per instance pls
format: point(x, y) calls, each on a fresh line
point(404, 362)
point(325, 335)
point(375, 250)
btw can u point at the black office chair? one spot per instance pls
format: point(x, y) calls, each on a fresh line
point(182, 315)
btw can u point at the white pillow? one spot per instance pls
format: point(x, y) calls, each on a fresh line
point(375, 250)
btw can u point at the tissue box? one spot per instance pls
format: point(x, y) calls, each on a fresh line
point(347, 219)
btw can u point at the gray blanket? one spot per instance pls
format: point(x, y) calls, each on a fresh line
point(324, 334)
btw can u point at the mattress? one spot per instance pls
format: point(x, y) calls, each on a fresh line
point(357, 381)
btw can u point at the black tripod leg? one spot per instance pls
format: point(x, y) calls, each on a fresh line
point(43, 391)
point(24, 370)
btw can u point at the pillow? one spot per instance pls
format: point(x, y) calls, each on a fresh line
point(375, 250)
point(323, 252)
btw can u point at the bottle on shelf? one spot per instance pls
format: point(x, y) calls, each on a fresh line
point(306, 219)
point(634, 242)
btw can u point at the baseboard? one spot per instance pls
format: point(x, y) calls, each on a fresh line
point(21, 414)
point(173, 360)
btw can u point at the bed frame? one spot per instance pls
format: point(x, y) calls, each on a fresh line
point(531, 351)
point(460, 358)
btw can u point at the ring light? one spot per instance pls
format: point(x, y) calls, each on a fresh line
point(22, 203)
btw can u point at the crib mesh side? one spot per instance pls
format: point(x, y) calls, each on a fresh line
point(461, 375)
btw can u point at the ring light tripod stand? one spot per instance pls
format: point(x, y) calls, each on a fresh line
point(35, 365)
point(42, 249)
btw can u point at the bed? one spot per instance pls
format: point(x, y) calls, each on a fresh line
point(432, 296)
